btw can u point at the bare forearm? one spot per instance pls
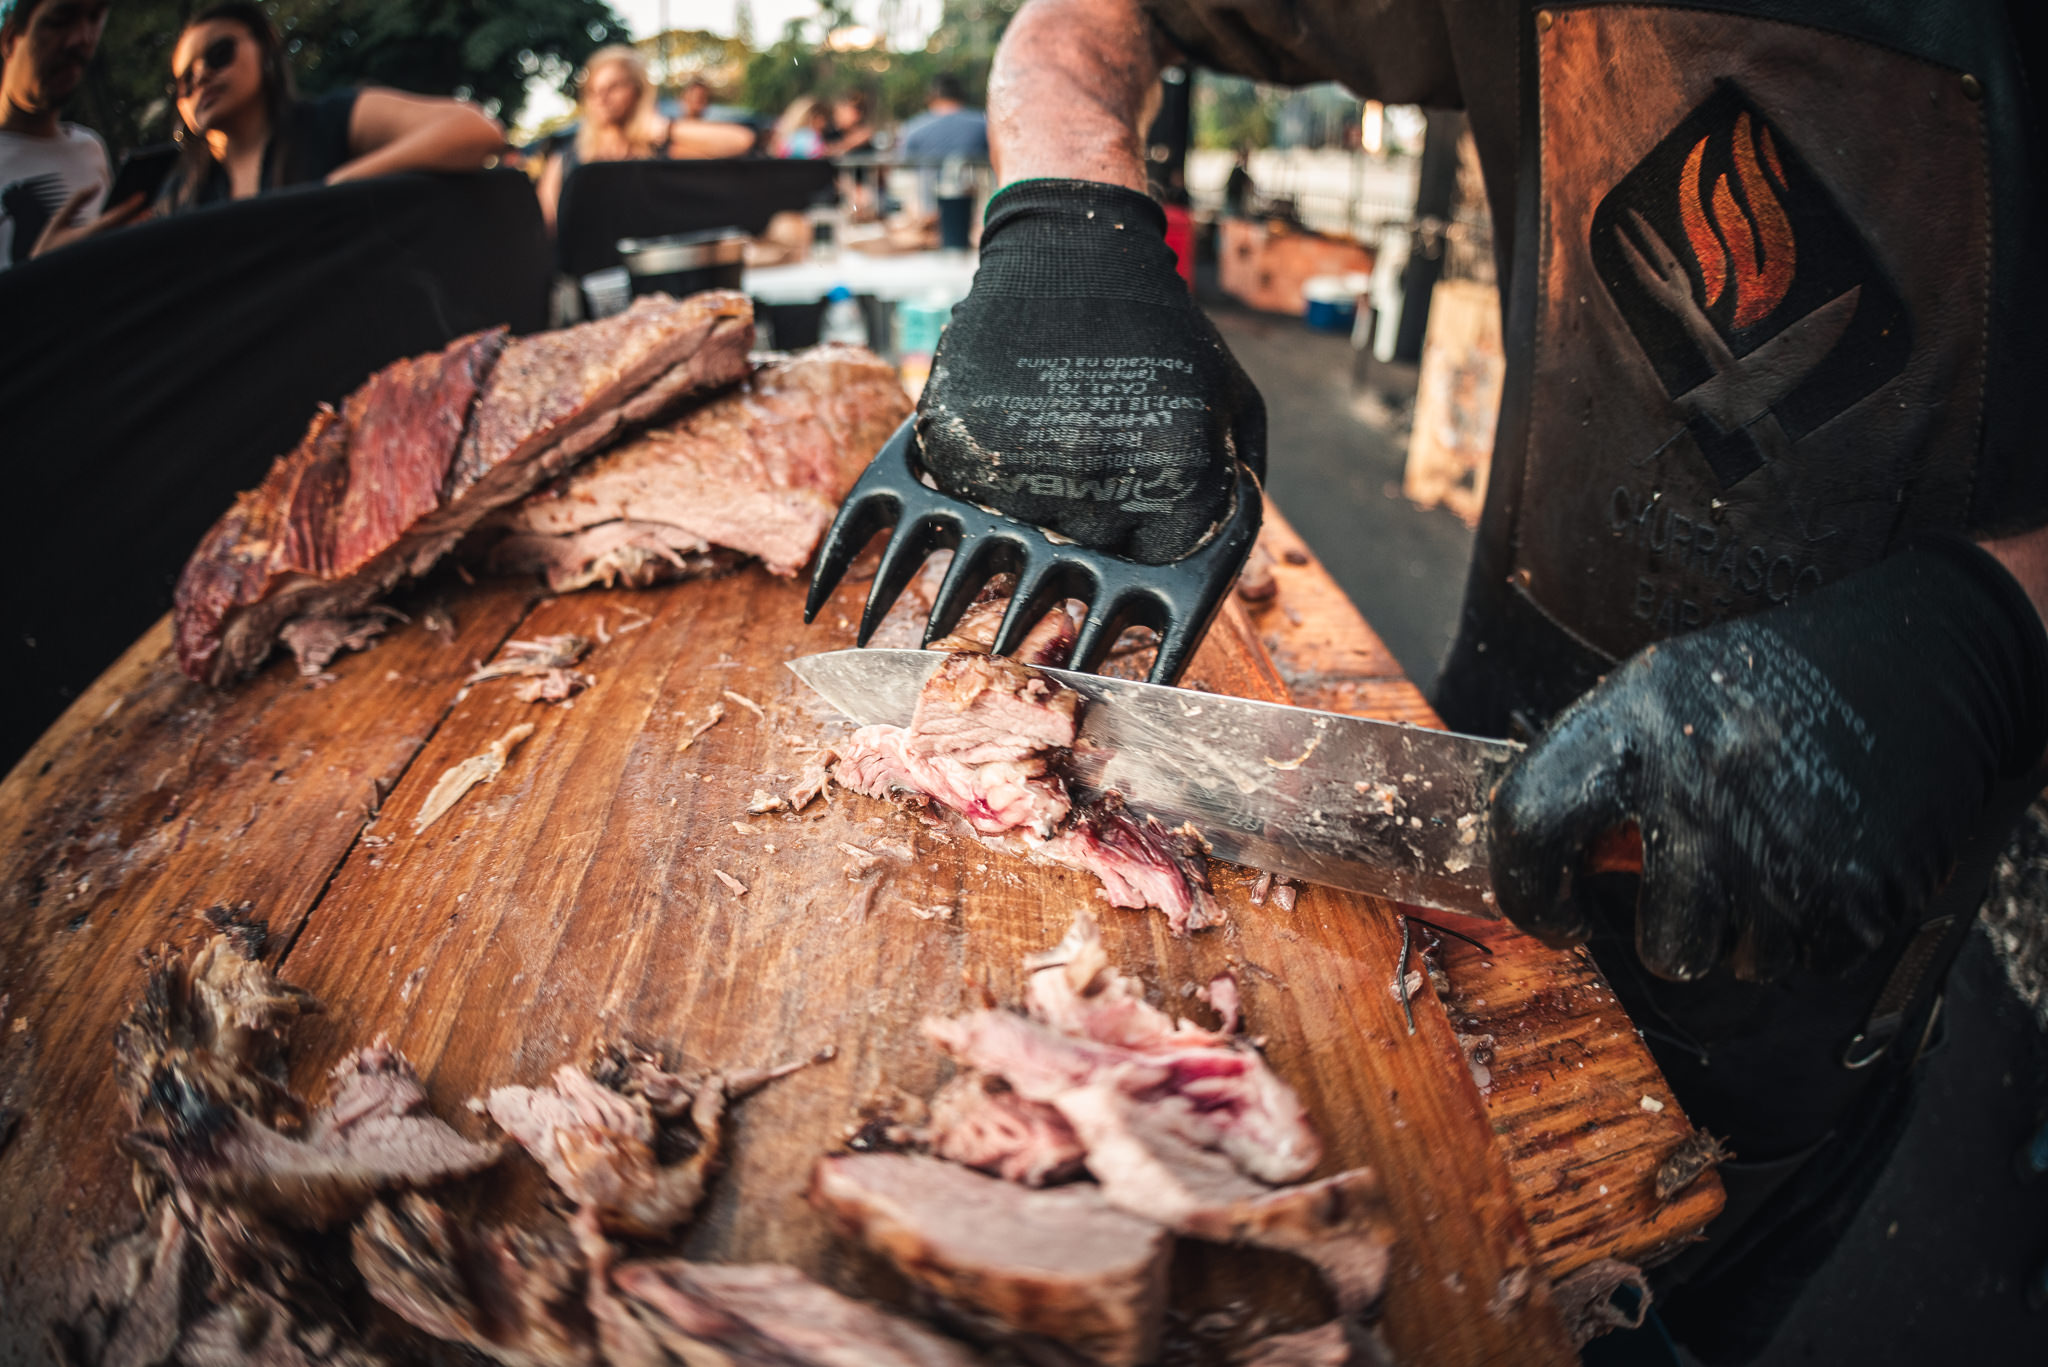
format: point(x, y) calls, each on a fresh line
point(1067, 93)
point(2025, 557)
point(454, 138)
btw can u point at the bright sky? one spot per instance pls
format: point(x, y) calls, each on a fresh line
point(911, 22)
point(913, 18)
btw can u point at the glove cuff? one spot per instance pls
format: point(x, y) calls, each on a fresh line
point(1077, 239)
point(2022, 653)
point(1089, 201)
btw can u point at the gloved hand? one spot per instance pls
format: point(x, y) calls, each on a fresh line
point(1802, 778)
point(1079, 388)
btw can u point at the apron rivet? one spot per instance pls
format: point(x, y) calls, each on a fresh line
point(1972, 87)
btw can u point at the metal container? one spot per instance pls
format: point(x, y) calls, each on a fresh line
point(685, 263)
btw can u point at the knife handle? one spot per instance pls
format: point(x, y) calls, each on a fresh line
point(1617, 851)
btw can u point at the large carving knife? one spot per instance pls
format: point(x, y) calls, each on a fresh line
point(1379, 807)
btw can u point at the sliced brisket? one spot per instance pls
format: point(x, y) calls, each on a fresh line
point(1180, 1125)
point(422, 453)
point(758, 472)
point(1061, 1263)
point(1142, 1153)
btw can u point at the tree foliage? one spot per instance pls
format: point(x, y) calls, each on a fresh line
point(802, 61)
point(1232, 112)
point(484, 50)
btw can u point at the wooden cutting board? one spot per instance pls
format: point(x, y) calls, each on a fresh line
point(575, 899)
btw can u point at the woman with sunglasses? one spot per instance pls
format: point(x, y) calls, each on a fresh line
point(245, 131)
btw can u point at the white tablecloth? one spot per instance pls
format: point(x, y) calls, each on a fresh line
point(939, 277)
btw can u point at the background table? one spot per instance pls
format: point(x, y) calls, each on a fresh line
point(938, 275)
point(574, 900)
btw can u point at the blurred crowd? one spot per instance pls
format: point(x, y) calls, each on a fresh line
point(242, 129)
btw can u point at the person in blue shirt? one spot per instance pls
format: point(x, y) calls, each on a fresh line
point(947, 128)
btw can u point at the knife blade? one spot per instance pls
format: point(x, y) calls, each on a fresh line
point(1386, 808)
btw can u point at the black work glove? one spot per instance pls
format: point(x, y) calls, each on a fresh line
point(1802, 779)
point(1079, 388)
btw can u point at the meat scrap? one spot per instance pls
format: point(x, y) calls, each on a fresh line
point(1061, 1263)
point(458, 779)
point(315, 641)
point(544, 664)
point(1585, 1299)
point(553, 685)
point(255, 1327)
point(985, 741)
point(523, 659)
point(1696, 1153)
point(758, 472)
point(422, 452)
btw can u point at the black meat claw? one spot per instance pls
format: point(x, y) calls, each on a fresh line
point(1178, 600)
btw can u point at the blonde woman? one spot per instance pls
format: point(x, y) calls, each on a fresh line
point(615, 120)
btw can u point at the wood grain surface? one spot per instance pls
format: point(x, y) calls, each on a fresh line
point(575, 898)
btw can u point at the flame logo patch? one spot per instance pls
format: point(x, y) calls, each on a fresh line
point(1750, 241)
point(1762, 309)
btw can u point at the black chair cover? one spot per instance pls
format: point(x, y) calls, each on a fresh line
point(148, 376)
point(604, 201)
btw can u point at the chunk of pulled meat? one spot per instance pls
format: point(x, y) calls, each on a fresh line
point(597, 1136)
point(511, 1295)
point(1061, 1263)
point(1335, 1344)
point(1138, 861)
point(1089, 1024)
point(125, 1309)
point(657, 1312)
point(374, 1135)
point(978, 1121)
point(985, 741)
point(980, 742)
point(192, 1061)
point(254, 1329)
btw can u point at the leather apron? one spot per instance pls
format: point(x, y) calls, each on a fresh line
point(1772, 271)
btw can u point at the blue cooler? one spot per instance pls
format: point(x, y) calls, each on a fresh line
point(1332, 303)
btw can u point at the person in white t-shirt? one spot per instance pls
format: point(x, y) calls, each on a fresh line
point(53, 175)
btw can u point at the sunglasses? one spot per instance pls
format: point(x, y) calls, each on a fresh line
point(217, 55)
